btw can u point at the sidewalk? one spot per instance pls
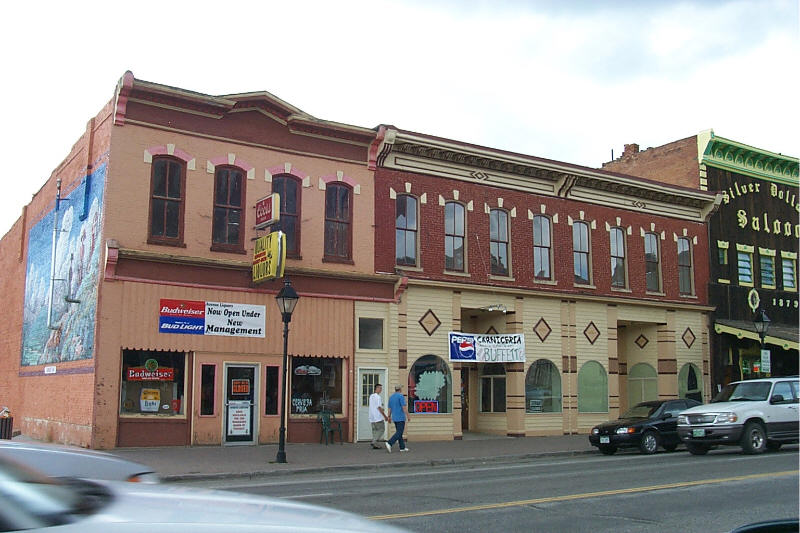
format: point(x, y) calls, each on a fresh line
point(176, 463)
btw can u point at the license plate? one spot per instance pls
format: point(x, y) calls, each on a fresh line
point(698, 433)
point(604, 440)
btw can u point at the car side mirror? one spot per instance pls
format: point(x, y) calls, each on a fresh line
point(776, 398)
point(667, 416)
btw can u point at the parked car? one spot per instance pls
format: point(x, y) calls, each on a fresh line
point(32, 501)
point(646, 425)
point(61, 462)
point(757, 414)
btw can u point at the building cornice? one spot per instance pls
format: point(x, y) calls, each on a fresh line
point(442, 157)
point(743, 159)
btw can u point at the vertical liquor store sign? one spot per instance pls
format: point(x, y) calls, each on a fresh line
point(211, 318)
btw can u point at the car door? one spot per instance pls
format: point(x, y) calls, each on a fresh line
point(783, 408)
point(668, 425)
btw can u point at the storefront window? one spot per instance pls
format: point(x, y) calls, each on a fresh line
point(208, 385)
point(543, 388)
point(689, 383)
point(493, 388)
point(152, 383)
point(271, 397)
point(642, 384)
point(316, 385)
point(430, 388)
point(592, 388)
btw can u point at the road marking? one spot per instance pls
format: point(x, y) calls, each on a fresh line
point(582, 496)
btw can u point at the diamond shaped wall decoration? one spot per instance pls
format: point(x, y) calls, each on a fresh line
point(491, 331)
point(591, 333)
point(688, 337)
point(429, 322)
point(542, 329)
point(641, 341)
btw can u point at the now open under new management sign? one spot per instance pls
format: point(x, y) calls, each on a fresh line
point(193, 317)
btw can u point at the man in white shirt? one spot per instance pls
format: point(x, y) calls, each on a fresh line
point(377, 416)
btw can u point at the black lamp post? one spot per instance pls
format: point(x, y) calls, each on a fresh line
point(287, 299)
point(761, 321)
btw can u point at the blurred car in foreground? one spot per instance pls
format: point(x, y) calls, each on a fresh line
point(62, 462)
point(32, 501)
point(646, 425)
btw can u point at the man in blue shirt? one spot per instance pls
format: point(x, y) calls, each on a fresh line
point(398, 412)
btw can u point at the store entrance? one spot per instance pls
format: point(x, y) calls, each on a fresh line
point(240, 395)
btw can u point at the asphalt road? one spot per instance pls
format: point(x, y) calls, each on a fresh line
point(625, 492)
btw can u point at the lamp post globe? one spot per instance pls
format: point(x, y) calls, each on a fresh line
point(287, 300)
point(761, 322)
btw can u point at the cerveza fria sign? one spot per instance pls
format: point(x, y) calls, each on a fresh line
point(465, 347)
point(211, 318)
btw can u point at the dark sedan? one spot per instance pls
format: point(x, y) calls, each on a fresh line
point(646, 426)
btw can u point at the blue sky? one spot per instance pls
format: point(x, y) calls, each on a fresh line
point(566, 80)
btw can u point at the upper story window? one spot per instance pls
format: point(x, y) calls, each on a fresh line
point(167, 199)
point(542, 266)
point(580, 252)
point(228, 223)
point(338, 222)
point(617, 243)
point(685, 274)
point(406, 230)
point(652, 262)
point(744, 263)
point(767, 267)
point(789, 273)
point(454, 236)
point(288, 187)
point(498, 241)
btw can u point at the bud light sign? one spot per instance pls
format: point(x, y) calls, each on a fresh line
point(487, 348)
point(182, 316)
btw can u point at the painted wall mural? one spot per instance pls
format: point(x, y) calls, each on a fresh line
point(65, 332)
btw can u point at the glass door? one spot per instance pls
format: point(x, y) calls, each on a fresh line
point(240, 395)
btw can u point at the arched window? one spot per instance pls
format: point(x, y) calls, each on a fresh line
point(690, 383)
point(541, 247)
point(338, 222)
point(288, 187)
point(406, 230)
point(543, 388)
point(617, 242)
point(430, 387)
point(642, 384)
point(454, 237)
point(592, 388)
point(228, 226)
point(580, 252)
point(498, 242)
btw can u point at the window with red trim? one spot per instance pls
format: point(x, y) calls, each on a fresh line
point(167, 200)
point(338, 221)
point(228, 223)
point(288, 187)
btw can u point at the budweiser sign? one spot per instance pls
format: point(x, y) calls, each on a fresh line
point(140, 373)
point(268, 210)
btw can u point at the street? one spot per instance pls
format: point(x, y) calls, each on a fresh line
point(626, 492)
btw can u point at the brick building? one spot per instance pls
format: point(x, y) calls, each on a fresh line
point(753, 239)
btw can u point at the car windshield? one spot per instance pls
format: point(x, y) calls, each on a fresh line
point(744, 392)
point(31, 500)
point(641, 410)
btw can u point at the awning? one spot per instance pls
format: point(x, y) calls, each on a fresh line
point(782, 335)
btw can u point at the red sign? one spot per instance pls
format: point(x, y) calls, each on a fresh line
point(426, 406)
point(240, 386)
point(268, 210)
point(140, 373)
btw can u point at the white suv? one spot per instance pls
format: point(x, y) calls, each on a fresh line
point(757, 414)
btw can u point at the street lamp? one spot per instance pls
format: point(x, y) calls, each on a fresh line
point(761, 321)
point(287, 299)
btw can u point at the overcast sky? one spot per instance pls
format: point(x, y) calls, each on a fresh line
point(566, 80)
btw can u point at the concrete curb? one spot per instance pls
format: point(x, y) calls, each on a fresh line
point(369, 466)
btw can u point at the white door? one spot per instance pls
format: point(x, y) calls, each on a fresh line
point(367, 379)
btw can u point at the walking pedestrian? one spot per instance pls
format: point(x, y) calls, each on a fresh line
point(398, 412)
point(377, 416)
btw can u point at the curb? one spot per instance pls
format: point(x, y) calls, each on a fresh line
point(370, 466)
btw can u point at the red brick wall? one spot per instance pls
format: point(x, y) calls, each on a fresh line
point(674, 163)
point(54, 407)
point(431, 235)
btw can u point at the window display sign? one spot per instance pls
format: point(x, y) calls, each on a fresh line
point(238, 417)
point(240, 386)
point(426, 406)
point(211, 318)
point(765, 362)
point(139, 373)
point(508, 348)
point(149, 400)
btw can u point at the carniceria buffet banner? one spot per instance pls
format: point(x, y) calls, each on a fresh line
point(211, 318)
point(465, 347)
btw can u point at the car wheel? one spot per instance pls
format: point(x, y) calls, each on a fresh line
point(649, 443)
point(773, 446)
point(696, 449)
point(670, 447)
point(753, 439)
point(608, 450)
